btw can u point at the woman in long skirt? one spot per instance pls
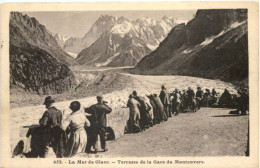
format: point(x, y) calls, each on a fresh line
point(76, 121)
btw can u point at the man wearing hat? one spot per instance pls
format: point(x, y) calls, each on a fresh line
point(164, 96)
point(176, 103)
point(191, 95)
point(50, 122)
point(98, 113)
point(199, 95)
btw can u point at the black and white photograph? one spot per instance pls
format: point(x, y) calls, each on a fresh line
point(120, 84)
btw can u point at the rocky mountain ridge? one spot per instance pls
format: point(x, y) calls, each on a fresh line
point(126, 42)
point(37, 63)
point(213, 45)
point(27, 29)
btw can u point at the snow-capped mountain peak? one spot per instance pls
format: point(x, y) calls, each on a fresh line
point(132, 39)
point(122, 28)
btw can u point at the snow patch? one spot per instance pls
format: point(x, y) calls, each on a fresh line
point(187, 51)
point(179, 21)
point(122, 29)
point(236, 24)
point(74, 55)
point(232, 26)
point(107, 61)
point(151, 47)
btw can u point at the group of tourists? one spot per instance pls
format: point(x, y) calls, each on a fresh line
point(148, 110)
point(77, 133)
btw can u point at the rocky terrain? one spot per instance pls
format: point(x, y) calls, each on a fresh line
point(213, 45)
point(126, 42)
point(33, 69)
point(27, 29)
point(37, 63)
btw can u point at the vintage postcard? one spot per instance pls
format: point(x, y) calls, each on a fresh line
point(129, 84)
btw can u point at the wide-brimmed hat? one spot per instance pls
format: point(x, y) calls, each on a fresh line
point(48, 100)
point(99, 97)
point(134, 93)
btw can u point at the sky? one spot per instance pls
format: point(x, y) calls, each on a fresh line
point(77, 24)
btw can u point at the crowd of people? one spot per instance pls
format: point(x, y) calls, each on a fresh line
point(78, 133)
point(148, 110)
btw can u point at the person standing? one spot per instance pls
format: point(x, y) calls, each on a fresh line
point(160, 108)
point(154, 109)
point(184, 99)
point(199, 95)
point(76, 121)
point(214, 93)
point(191, 95)
point(176, 102)
point(243, 100)
point(225, 99)
point(53, 136)
point(134, 113)
point(144, 110)
point(164, 96)
point(98, 113)
point(149, 113)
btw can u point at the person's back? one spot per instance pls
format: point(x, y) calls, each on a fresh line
point(51, 118)
point(77, 120)
point(214, 93)
point(177, 97)
point(164, 97)
point(191, 94)
point(199, 94)
point(100, 111)
point(133, 104)
point(50, 123)
point(159, 107)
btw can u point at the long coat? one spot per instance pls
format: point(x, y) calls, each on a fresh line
point(160, 108)
point(99, 112)
point(50, 122)
point(164, 96)
point(150, 107)
point(155, 112)
point(134, 106)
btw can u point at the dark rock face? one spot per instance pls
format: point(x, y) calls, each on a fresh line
point(37, 63)
point(26, 29)
point(213, 45)
point(211, 22)
point(36, 70)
